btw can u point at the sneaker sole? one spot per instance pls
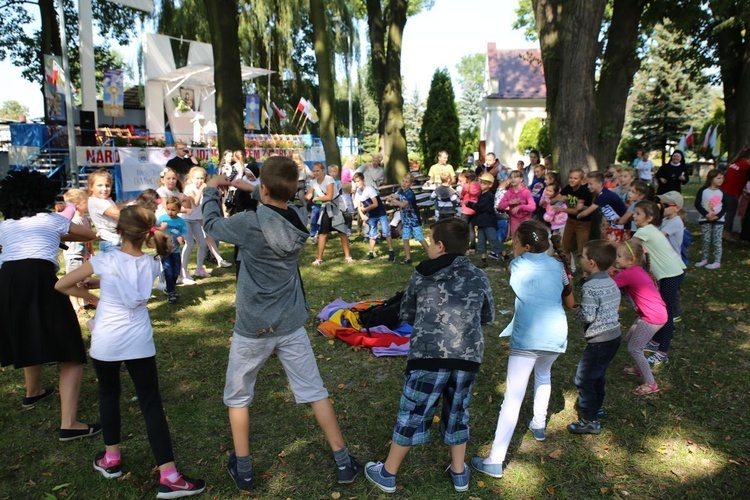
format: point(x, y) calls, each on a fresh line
point(180, 493)
point(387, 489)
point(580, 431)
point(107, 475)
point(486, 473)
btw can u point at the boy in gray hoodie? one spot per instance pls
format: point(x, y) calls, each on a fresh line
point(447, 301)
point(271, 311)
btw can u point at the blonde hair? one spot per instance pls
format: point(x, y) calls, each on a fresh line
point(75, 196)
point(196, 170)
point(102, 172)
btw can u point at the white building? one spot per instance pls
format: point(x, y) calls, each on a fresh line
point(514, 93)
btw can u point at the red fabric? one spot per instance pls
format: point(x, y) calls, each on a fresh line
point(736, 178)
point(364, 339)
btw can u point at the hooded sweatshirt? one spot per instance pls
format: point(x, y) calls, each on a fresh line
point(122, 328)
point(447, 301)
point(270, 301)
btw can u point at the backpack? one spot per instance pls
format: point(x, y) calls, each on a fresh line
point(386, 314)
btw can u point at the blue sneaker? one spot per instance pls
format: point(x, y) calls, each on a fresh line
point(539, 434)
point(243, 483)
point(347, 474)
point(460, 479)
point(373, 472)
point(492, 470)
point(584, 426)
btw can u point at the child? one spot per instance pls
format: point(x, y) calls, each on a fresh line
point(445, 353)
point(372, 211)
point(645, 168)
point(610, 205)
point(194, 223)
point(518, 201)
point(554, 213)
point(148, 198)
point(709, 201)
point(485, 220)
point(626, 180)
point(687, 239)
point(599, 315)
point(170, 185)
point(37, 324)
point(470, 190)
point(502, 215)
point(538, 334)
point(648, 304)
point(445, 198)
point(77, 252)
point(316, 190)
point(122, 332)
point(612, 177)
point(672, 225)
point(325, 195)
point(103, 211)
point(177, 229)
point(638, 191)
point(406, 201)
point(271, 311)
point(667, 268)
point(577, 198)
point(537, 184)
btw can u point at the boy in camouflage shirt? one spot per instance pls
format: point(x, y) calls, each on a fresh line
point(447, 301)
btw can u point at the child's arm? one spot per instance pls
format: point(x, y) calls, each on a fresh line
point(589, 305)
point(232, 229)
point(528, 204)
point(567, 297)
point(400, 204)
point(373, 206)
point(699, 202)
point(76, 232)
point(68, 284)
point(585, 213)
point(408, 309)
point(112, 212)
point(624, 218)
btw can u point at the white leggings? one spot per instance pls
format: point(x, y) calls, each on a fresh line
point(195, 234)
point(519, 371)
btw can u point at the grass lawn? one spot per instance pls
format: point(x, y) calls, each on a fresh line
point(689, 440)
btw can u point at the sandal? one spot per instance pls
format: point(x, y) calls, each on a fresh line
point(631, 370)
point(349, 260)
point(317, 262)
point(646, 389)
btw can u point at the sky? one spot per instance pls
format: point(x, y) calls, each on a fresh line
point(433, 39)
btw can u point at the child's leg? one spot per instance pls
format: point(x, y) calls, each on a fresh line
point(326, 417)
point(213, 247)
point(314, 215)
point(668, 288)
point(385, 228)
point(108, 374)
point(345, 245)
point(458, 457)
point(705, 240)
point(187, 249)
point(567, 239)
point(601, 383)
point(146, 382)
point(519, 370)
point(239, 421)
point(640, 333)
point(717, 229)
point(406, 237)
point(491, 236)
point(454, 420)
point(542, 389)
point(590, 376)
point(171, 270)
point(196, 228)
point(482, 242)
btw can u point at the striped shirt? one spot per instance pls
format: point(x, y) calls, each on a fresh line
point(35, 237)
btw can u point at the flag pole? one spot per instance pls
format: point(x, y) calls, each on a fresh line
point(303, 124)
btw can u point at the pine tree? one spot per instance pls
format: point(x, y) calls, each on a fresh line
point(414, 108)
point(440, 122)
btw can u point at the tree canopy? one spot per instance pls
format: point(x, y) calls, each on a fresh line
point(440, 122)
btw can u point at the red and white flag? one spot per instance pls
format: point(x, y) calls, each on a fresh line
point(690, 137)
point(707, 138)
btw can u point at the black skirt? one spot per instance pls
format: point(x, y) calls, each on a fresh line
point(37, 323)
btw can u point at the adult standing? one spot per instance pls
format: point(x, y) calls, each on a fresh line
point(441, 166)
point(528, 170)
point(673, 175)
point(183, 161)
point(735, 179)
point(37, 324)
point(374, 172)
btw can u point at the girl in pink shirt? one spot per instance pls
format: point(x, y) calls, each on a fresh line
point(647, 302)
point(518, 201)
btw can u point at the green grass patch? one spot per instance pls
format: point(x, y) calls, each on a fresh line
point(689, 440)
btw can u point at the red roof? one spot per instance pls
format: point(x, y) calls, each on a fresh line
point(516, 74)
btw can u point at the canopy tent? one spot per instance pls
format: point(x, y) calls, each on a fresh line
point(193, 84)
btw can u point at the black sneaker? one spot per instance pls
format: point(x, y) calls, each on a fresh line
point(183, 487)
point(584, 426)
point(406, 261)
point(493, 255)
point(369, 257)
point(391, 256)
point(243, 483)
point(347, 474)
point(172, 298)
point(108, 470)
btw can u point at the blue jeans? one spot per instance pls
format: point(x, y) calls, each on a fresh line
point(502, 230)
point(590, 376)
point(488, 235)
point(669, 288)
point(314, 216)
point(171, 265)
point(106, 246)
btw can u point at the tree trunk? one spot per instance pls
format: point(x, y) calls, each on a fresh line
point(325, 82)
point(619, 64)
point(376, 29)
point(734, 61)
point(222, 17)
point(568, 31)
point(50, 43)
point(395, 155)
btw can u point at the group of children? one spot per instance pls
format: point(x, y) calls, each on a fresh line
point(447, 300)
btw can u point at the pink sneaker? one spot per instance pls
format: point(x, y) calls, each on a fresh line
point(701, 263)
point(202, 273)
point(715, 265)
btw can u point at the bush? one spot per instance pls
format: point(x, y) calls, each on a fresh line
point(440, 121)
point(534, 135)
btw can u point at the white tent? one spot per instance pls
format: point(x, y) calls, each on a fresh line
point(194, 83)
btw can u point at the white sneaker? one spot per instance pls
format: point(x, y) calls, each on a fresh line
point(225, 263)
point(186, 280)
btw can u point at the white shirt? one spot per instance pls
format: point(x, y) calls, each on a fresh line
point(122, 328)
point(196, 214)
point(644, 169)
point(36, 237)
point(105, 226)
point(319, 189)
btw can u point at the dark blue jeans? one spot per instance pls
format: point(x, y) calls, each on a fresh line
point(669, 288)
point(590, 376)
point(171, 265)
